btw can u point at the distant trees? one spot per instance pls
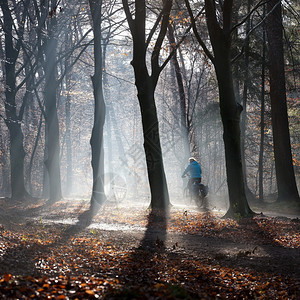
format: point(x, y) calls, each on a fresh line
point(33, 64)
point(45, 118)
point(184, 120)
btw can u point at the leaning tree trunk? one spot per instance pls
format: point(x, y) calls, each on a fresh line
point(98, 195)
point(286, 183)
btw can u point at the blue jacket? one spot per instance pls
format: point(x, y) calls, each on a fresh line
point(194, 169)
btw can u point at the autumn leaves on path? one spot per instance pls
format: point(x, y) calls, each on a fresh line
point(127, 252)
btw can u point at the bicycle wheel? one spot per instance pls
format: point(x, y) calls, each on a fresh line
point(187, 197)
point(199, 201)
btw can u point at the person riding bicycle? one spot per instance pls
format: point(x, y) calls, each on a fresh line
point(194, 171)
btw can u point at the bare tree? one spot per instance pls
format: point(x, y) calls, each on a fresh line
point(220, 28)
point(286, 183)
point(98, 196)
point(146, 84)
point(182, 97)
point(262, 117)
point(13, 117)
point(50, 95)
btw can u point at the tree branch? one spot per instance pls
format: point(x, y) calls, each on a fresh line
point(260, 3)
point(163, 29)
point(252, 29)
point(199, 39)
point(128, 14)
point(153, 29)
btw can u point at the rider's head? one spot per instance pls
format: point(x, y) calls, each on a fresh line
point(191, 159)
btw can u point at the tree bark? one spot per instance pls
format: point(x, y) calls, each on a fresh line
point(12, 120)
point(52, 162)
point(230, 114)
point(33, 153)
point(98, 195)
point(262, 121)
point(5, 184)
point(152, 147)
point(286, 183)
point(69, 176)
point(182, 97)
point(230, 110)
point(244, 116)
point(146, 85)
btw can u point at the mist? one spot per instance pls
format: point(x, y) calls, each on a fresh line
point(149, 150)
point(125, 169)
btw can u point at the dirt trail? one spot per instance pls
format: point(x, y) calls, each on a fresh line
point(245, 247)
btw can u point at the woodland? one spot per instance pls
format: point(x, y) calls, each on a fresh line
point(103, 102)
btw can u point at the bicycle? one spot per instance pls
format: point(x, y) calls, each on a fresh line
point(197, 193)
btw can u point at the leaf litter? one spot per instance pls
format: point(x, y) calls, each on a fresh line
point(189, 255)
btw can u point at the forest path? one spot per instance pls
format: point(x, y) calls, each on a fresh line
point(50, 240)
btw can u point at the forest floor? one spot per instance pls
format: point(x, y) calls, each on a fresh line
point(127, 252)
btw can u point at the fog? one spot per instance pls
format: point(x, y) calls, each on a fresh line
point(125, 163)
point(124, 158)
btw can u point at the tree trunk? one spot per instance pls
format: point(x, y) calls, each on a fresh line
point(182, 98)
point(230, 110)
point(146, 87)
point(230, 114)
point(32, 155)
point(152, 147)
point(113, 120)
point(68, 127)
point(98, 195)
point(17, 153)
point(262, 122)
point(286, 183)
point(5, 184)
point(244, 115)
point(52, 162)
point(109, 123)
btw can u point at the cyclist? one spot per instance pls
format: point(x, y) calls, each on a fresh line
point(194, 171)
